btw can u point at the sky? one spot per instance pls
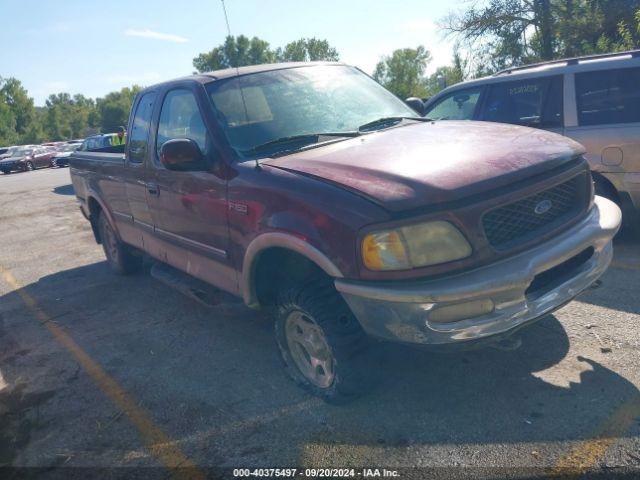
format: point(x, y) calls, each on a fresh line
point(95, 47)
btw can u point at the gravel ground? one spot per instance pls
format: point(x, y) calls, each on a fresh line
point(210, 377)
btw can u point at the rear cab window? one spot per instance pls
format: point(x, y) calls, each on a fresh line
point(608, 96)
point(459, 105)
point(532, 102)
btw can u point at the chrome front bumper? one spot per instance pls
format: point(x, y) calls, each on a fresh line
point(400, 311)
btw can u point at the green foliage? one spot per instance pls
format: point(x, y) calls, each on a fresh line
point(17, 112)
point(403, 72)
point(8, 134)
point(240, 51)
point(63, 117)
point(19, 102)
point(307, 50)
point(113, 109)
point(503, 33)
point(447, 75)
point(235, 52)
point(67, 117)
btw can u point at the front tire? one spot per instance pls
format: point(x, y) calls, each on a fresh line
point(120, 256)
point(29, 167)
point(323, 346)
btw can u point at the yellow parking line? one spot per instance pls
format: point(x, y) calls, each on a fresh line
point(588, 453)
point(158, 443)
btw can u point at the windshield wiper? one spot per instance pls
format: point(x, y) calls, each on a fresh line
point(310, 137)
point(386, 122)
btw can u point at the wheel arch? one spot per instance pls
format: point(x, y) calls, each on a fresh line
point(274, 244)
point(96, 207)
point(610, 191)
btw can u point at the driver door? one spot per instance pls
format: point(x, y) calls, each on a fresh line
point(189, 208)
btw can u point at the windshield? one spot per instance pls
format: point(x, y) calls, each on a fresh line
point(69, 148)
point(299, 101)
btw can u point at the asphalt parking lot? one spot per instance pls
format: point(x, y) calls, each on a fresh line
point(98, 370)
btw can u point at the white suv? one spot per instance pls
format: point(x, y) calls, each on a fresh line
point(595, 100)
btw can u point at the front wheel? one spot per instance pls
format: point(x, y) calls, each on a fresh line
point(120, 257)
point(29, 167)
point(322, 344)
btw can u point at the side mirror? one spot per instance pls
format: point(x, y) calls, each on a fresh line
point(182, 154)
point(416, 104)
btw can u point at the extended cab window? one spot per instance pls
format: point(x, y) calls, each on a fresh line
point(606, 97)
point(534, 102)
point(180, 118)
point(458, 105)
point(139, 134)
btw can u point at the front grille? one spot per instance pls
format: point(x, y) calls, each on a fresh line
point(518, 222)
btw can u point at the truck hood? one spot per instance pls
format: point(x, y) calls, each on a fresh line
point(429, 163)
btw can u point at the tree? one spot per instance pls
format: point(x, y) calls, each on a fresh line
point(504, 33)
point(15, 97)
point(240, 51)
point(8, 135)
point(307, 50)
point(403, 72)
point(447, 75)
point(235, 52)
point(113, 108)
point(68, 117)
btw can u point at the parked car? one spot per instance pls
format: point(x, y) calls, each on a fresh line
point(594, 100)
point(6, 152)
point(101, 143)
point(61, 156)
point(27, 158)
point(310, 190)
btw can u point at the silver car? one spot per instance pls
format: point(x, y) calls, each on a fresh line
point(594, 99)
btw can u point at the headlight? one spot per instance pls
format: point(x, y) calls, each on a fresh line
point(414, 246)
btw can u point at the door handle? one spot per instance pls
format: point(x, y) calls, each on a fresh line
point(153, 189)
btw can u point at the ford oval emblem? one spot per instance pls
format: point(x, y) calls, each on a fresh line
point(543, 207)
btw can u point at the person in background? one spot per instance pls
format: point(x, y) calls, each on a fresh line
point(120, 138)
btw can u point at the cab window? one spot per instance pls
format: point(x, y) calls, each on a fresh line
point(181, 118)
point(608, 96)
point(534, 102)
point(459, 105)
point(139, 135)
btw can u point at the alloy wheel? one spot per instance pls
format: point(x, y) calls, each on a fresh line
point(309, 349)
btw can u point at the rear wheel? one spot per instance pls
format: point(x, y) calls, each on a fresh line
point(120, 256)
point(322, 344)
point(29, 166)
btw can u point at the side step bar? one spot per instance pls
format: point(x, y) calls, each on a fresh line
point(193, 288)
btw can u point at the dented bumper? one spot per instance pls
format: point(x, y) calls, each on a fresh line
point(491, 300)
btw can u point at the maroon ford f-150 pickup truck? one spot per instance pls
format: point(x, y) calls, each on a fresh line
point(311, 190)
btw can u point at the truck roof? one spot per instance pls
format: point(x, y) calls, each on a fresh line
point(207, 77)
